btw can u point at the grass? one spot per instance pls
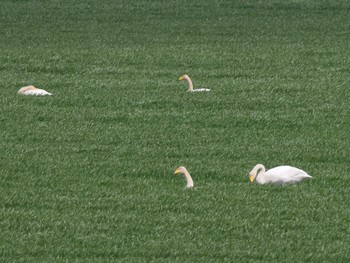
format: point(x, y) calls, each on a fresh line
point(87, 174)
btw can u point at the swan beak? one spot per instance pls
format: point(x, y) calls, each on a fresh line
point(177, 171)
point(251, 178)
point(181, 78)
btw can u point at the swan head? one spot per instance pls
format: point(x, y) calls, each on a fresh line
point(252, 177)
point(184, 77)
point(24, 89)
point(181, 170)
point(255, 171)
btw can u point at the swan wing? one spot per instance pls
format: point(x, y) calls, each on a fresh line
point(37, 92)
point(285, 174)
point(200, 90)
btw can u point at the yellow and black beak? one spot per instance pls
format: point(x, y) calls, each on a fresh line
point(181, 78)
point(251, 178)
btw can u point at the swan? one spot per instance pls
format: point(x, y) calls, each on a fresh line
point(280, 175)
point(31, 90)
point(190, 84)
point(183, 170)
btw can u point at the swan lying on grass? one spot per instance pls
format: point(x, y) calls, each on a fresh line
point(183, 170)
point(31, 90)
point(280, 175)
point(190, 84)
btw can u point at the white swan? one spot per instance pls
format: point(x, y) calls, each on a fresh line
point(190, 84)
point(280, 175)
point(188, 177)
point(31, 90)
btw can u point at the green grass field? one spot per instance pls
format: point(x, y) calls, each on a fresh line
point(87, 174)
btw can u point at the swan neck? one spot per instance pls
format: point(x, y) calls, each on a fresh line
point(260, 169)
point(188, 179)
point(190, 84)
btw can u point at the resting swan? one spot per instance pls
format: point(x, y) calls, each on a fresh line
point(190, 84)
point(280, 175)
point(31, 90)
point(183, 170)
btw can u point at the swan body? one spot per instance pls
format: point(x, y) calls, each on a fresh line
point(31, 90)
point(280, 175)
point(190, 84)
point(187, 175)
point(200, 90)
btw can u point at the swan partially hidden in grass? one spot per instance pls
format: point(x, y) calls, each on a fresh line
point(280, 175)
point(31, 90)
point(183, 170)
point(190, 84)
